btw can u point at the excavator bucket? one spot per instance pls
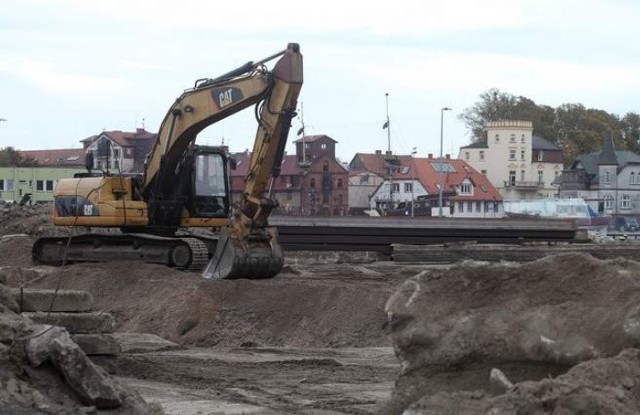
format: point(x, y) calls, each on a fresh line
point(253, 259)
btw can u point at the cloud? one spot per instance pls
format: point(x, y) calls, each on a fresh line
point(52, 78)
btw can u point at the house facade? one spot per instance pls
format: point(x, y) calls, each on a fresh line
point(119, 151)
point(517, 163)
point(608, 180)
point(311, 182)
point(412, 184)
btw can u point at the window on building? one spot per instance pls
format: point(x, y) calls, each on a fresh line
point(339, 184)
point(8, 184)
point(325, 198)
point(522, 155)
point(39, 185)
point(325, 166)
point(540, 176)
point(1, 184)
point(608, 202)
point(522, 139)
point(395, 187)
point(364, 178)
point(465, 188)
point(469, 207)
point(540, 155)
point(512, 177)
point(461, 207)
point(522, 175)
point(512, 138)
point(408, 187)
point(481, 154)
point(497, 138)
point(632, 178)
point(49, 185)
point(466, 155)
point(512, 154)
point(625, 202)
point(478, 207)
point(607, 177)
point(323, 146)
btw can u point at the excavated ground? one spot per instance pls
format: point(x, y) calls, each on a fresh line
point(314, 340)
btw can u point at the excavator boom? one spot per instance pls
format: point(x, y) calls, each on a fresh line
point(248, 247)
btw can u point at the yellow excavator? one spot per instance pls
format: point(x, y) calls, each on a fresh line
point(186, 186)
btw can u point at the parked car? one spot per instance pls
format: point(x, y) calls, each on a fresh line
point(627, 224)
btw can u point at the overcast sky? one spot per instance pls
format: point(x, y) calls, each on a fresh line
point(72, 68)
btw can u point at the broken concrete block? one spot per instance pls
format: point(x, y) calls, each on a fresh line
point(38, 347)
point(91, 385)
point(97, 344)
point(30, 299)
point(76, 323)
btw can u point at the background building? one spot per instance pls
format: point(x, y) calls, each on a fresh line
point(409, 185)
point(38, 182)
point(120, 150)
point(311, 182)
point(518, 164)
point(609, 180)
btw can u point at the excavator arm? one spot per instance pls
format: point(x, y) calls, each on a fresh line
point(248, 247)
point(210, 101)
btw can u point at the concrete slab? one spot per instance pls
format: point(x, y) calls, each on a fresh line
point(32, 299)
point(144, 342)
point(97, 344)
point(75, 323)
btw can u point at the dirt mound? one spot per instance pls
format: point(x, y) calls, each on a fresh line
point(343, 307)
point(534, 320)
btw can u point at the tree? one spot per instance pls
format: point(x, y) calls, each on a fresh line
point(630, 126)
point(10, 157)
point(495, 105)
point(572, 127)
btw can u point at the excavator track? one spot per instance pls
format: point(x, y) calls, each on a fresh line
point(185, 253)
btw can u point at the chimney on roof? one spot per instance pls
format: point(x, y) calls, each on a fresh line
point(447, 156)
point(140, 130)
point(430, 156)
point(378, 152)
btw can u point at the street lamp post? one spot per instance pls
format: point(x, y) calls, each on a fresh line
point(442, 110)
point(413, 153)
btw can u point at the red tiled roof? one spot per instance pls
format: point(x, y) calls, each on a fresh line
point(408, 168)
point(60, 157)
point(123, 138)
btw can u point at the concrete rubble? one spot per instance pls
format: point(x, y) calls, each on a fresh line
point(43, 370)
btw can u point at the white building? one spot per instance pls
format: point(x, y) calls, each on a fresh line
point(517, 163)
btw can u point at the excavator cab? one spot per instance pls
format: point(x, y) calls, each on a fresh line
point(210, 184)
